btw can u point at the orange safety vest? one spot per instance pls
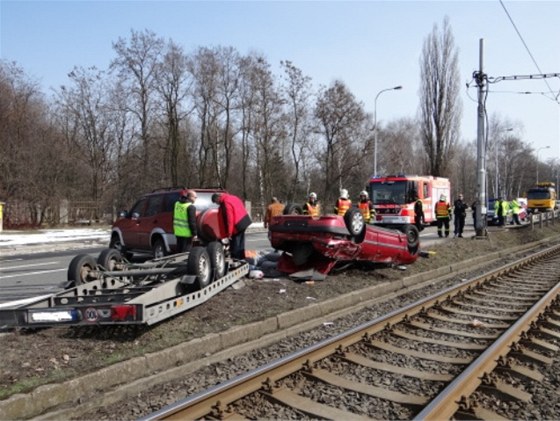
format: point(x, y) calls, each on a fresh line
point(342, 205)
point(312, 210)
point(442, 209)
point(364, 208)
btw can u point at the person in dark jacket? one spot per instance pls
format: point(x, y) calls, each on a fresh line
point(460, 213)
point(235, 219)
point(419, 214)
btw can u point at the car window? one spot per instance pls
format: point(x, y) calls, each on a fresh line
point(170, 200)
point(139, 207)
point(154, 205)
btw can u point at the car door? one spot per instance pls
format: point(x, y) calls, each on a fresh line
point(129, 225)
point(148, 221)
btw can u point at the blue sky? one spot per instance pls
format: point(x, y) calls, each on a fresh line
point(370, 45)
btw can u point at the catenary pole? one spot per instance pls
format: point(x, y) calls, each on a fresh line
point(481, 149)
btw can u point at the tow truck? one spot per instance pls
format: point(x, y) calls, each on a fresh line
point(114, 291)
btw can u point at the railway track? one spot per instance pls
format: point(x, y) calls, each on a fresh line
point(464, 353)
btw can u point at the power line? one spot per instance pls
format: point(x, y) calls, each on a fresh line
point(528, 51)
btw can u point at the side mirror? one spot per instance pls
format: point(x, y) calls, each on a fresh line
point(123, 214)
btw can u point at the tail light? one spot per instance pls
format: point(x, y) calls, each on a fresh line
point(123, 312)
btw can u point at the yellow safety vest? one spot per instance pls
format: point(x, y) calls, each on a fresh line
point(180, 220)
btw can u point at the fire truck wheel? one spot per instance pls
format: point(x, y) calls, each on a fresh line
point(293, 209)
point(354, 221)
point(200, 266)
point(81, 268)
point(217, 258)
point(412, 237)
point(109, 258)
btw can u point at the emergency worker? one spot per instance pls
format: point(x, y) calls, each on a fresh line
point(184, 221)
point(460, 213)
point(312, 207)
point(443, 215)
point(236, 220)
point(501, 210)
point(515, 210)
point(343, 203)
point(274, 209)
point(419, 214)
point(366, 207)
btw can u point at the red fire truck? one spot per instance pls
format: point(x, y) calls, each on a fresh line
point(393, 197)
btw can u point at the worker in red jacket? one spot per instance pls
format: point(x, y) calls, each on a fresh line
point(236, 220)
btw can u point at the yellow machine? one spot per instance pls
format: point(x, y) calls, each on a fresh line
point(541, 198)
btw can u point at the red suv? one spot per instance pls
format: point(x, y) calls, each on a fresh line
point(148, 226)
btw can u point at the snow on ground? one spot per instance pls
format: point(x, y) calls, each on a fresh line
point(14, 238)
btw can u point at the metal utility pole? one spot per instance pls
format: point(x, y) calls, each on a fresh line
point(394, 88)
point(481, 80)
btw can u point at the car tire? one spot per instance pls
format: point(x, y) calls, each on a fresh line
point(158, 249)
point(412, 238)
point(109, 258)
point(293, 209)
point(200, 266)
point(116, 244)
point(80, 268)
point(354, 221)
point(217, 258)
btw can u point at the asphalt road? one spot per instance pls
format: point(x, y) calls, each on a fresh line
point(28, 275)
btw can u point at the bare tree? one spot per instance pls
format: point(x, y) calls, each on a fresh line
point(342, 123)
point(440, 105)
point(136, 63)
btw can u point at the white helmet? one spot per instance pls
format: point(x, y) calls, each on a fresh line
point(313, 195)
point(344, 193)
point(364, 193)
point(442, 198)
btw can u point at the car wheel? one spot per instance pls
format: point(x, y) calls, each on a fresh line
point(116, 244)
point(81, 268)
point(200, 266)
point(354, 221)
point(109, 258)
point(412, 238)
point(217, 259)
point(158, 249)
point(293, 209)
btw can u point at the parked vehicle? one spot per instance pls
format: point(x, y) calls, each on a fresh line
point(541, 197)
point(321, 243)
point(492, 218)
point(148, 226)
point(393, 197)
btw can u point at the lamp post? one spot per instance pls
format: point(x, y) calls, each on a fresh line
point(544, 147)
point(375, 126)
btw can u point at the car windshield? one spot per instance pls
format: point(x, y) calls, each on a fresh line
point(204, 201)
point(538, 194)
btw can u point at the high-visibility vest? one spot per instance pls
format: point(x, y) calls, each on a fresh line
point(442, 209)
point(312, 210)
point(364, 208)
point(180, 220)
point(342, 205)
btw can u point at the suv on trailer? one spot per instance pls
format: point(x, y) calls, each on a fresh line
point(148, 226)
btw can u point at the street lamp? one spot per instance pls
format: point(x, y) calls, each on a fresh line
point(544, 147)
point(375, 126)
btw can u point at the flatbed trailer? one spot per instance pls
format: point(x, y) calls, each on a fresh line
point(129, 294)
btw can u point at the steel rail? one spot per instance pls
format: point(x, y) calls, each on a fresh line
point(216, 399)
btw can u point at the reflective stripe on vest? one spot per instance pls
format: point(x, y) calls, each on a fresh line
point(342, 206)
point(312, 210)
point(180, 220)
point(364, 208)
point(442, 210)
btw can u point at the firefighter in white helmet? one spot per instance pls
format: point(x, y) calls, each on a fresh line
point(366, 207)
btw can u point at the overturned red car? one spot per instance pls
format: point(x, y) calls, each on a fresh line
point(323, 242)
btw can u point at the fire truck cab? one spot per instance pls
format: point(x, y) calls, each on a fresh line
point(393, 197)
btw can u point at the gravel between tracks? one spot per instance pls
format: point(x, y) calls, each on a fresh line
point(53, 355)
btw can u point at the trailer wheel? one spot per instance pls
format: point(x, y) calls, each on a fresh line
point(412, 238)
point(200, 266)
point(81, 268)
point(217, 258)
point(109, 258)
